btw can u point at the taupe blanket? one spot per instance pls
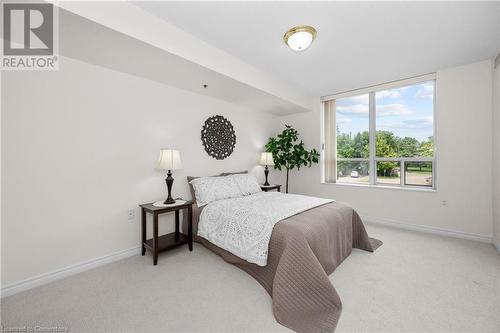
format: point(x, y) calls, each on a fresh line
point(304, 249)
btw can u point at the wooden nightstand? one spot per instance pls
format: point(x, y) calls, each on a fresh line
point(271, 187)
point(158, 244)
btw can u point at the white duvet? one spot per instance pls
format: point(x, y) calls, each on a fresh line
point(243, 226)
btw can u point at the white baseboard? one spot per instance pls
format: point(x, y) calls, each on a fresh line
point(496, 244)
point(45, 278)
point(428, 229)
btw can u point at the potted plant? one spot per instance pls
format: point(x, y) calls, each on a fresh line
point(289, 153)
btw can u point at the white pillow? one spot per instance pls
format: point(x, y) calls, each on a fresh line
point(209, 189)
point(247, 183)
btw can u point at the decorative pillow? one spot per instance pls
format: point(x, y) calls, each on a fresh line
point(247, 183)
point(233, 173)
point(191, 189)
point(209, 189)
point(190, 178)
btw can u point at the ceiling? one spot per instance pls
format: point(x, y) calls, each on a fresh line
point(358, 43)
point(88, 41)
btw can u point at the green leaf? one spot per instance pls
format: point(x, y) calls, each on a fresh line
point(289, 152)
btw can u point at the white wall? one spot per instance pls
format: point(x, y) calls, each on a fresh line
point(464, 141)
point(496, 152)
point(79, 147)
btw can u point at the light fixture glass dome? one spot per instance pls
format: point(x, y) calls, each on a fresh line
point(299, 38)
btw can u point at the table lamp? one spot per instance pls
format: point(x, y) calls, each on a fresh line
point(170, 159)
point(266, 159)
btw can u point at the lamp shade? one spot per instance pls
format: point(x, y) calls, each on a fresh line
point(170, 159)
point(266, 159)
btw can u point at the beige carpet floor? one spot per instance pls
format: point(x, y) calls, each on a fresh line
point(414, 283)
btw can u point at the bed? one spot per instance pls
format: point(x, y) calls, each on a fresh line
point(302, 249)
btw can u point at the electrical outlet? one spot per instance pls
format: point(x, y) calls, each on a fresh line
point(444, 203)
point(131, 214)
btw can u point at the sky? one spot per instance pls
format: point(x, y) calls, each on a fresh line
point(405, 111)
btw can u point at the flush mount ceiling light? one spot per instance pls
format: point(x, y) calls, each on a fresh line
point(300, 37)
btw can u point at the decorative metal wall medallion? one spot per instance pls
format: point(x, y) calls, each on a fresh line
point(218, 137)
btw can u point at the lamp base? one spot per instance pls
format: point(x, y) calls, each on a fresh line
point(266, 172)
point(169, 180)
point(169, 201)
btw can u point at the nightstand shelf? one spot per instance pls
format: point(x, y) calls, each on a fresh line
point(167, 242)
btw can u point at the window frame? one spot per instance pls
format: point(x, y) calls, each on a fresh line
point(373, 159)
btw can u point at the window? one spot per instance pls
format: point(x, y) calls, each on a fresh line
point(381, 135)
point(352, 139)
